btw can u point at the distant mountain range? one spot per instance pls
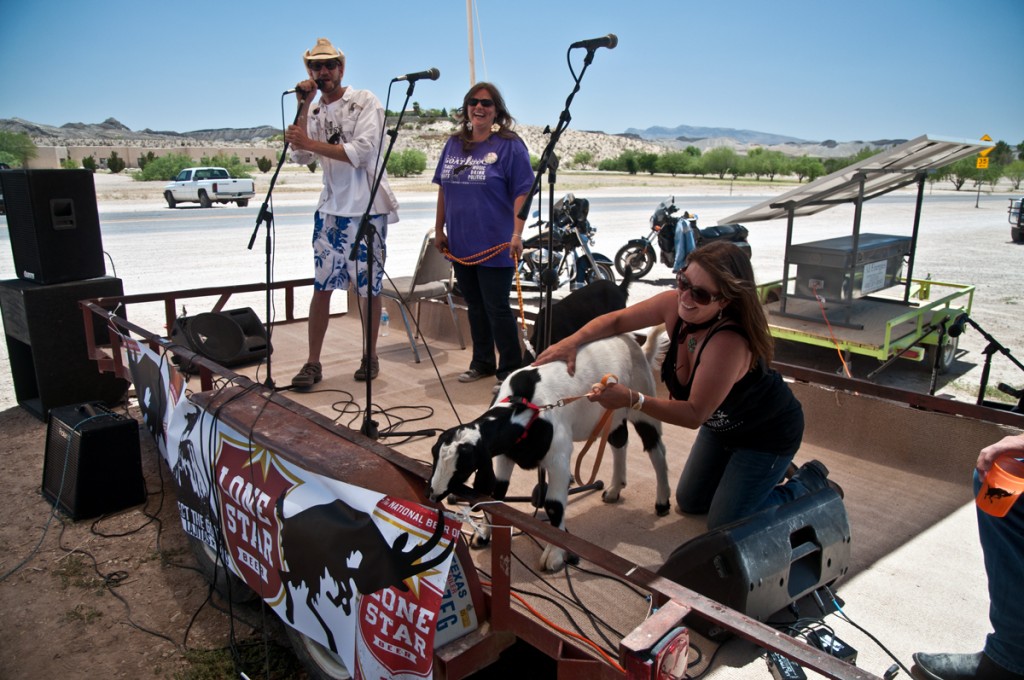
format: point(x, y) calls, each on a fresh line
point(691, 133)
point(112, 132)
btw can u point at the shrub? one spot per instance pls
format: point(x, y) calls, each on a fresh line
point(164, 168)
point(89, 163)
point(232, 164)
point(69, 164)
point(115, 163)
point(145, 158)
point(264, 164)
point(408, 162)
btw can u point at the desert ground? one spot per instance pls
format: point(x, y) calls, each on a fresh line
point(120, 598)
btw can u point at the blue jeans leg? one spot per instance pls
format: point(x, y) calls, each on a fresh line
point(492, 325)
point(1002, 542)
point(730, 484)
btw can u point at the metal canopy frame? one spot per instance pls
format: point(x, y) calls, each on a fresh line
point(903, 165)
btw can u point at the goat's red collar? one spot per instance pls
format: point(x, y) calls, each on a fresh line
point(534, 412)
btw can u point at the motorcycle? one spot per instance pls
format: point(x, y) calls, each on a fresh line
point(570, 253)
point(639, 255)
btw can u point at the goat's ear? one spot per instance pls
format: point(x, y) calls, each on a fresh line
point(504, 433)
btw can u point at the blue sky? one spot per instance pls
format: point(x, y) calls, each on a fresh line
point(875, 69)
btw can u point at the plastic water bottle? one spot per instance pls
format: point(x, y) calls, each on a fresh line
point(385, 322)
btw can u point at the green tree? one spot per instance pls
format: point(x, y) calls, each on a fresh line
point(958, 173)
point(69, 164)
point(232, 164)
point(115, 163)
point(719, 161)
point(16, 148)
point(264, 164)
point(583, 158)
point(1015, 173)
point(648, 162)
point(805, 166)
point(674, 163)
point(164, 168)
point(89, 163)
point(145, 158)
point(1002, 154)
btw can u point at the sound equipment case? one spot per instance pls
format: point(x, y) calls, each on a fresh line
point(50, 363)
point(93, 463)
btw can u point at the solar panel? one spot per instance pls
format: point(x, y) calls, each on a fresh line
point(881, 173)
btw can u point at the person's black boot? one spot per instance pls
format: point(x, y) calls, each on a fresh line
point(960, 667)
point(813, 475)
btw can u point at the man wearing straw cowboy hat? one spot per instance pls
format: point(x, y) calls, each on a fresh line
point(344, 129)
point(1002, 543)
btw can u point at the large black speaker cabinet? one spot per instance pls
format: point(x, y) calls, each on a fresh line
point(46, 344)
point(93, 463)
point(760, 565)
point(54, 224)
point(231, 337)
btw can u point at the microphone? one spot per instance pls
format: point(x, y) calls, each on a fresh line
point(294, 90)
point(609, 41)
point(429, 74)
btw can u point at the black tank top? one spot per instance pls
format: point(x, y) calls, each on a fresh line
point(760, 412)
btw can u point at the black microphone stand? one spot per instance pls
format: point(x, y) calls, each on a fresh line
point(989, 351)
point(266, 216)
point(549, 277)
point(549, 163)
point(367, 233)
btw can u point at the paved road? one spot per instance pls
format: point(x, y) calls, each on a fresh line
point(152, 248)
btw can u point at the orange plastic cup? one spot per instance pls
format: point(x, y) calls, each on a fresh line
point(1001, 487)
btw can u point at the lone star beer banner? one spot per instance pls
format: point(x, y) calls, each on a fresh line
point(364, 574)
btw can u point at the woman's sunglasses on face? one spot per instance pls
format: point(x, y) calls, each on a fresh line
point(486, 103)
point(697, 294)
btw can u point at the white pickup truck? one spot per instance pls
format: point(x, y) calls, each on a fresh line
point(207, 186)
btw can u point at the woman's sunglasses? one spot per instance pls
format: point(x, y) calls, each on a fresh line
point(697, 294)
point(487, 103)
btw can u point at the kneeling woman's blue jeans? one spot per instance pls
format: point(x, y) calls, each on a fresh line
point(729, 483)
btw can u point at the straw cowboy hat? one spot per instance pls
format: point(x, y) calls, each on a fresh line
point(324, 50)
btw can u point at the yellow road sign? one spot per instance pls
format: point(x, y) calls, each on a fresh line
point(981, 163)
point(985, 152)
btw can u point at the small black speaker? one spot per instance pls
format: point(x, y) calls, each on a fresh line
point(93, 463)
point(230, 338)
point(54, 224)
point(761, 564)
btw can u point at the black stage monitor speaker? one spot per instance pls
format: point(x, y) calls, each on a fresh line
point(230, 338)
point(54, 224)
point(760, 565)
point(93, 463)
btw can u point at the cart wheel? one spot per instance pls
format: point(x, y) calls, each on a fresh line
point(947, 355)
point(219, 574)
point(320, 662)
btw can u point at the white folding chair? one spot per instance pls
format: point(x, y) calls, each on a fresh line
point(432, 279)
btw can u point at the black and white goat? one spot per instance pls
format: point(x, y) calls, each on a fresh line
point(518, 430)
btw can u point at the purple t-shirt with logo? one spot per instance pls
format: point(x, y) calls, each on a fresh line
point(480, 188)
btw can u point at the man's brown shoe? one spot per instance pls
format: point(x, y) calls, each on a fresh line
point(310, 374)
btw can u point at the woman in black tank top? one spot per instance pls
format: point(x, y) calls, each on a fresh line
point(718, 375)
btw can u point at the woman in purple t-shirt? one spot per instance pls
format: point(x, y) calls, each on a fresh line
point(483, 177)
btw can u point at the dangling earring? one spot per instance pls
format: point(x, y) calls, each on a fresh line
point(469, 125)
point(720, 309)
point(495, 128)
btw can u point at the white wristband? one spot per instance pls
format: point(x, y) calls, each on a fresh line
point(639, 405)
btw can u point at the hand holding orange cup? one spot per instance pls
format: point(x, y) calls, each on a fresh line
point(1002, 486)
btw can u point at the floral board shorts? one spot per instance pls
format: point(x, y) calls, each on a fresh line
point(332, 241)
